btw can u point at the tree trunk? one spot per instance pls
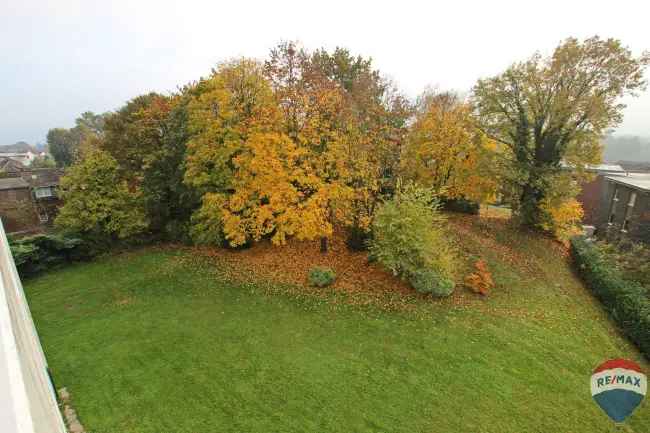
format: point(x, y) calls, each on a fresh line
point(323, 244)
point(529, 207)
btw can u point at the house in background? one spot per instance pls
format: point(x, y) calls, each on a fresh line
point(592, 192)
point(44, 183)
point(625, 207)
point(10, 167)
point(28, 197)
point(25, 158)
point(16, 205)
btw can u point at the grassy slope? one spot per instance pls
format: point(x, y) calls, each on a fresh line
point(148, 342)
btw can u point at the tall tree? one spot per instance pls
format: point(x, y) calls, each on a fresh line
point(446, 152)
point(147, 137)
point(135, 131)
point(546, 111)
point(62, 145)
point(351, 121)
point(98, 202)
point(65, 145)
point(316, 119)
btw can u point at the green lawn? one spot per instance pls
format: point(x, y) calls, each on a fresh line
point(149, 342)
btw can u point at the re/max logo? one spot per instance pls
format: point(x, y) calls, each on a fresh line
point(620, 379)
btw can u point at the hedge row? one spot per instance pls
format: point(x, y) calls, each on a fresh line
point(627, 302)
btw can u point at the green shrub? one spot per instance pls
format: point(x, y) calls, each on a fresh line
point(431, 282)
point(358, 239)
point(632, 259)
point(410, 241)
point(37, 253)
point(321, 277)
point(626, 301)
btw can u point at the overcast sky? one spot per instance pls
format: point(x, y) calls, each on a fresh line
point(63, 57)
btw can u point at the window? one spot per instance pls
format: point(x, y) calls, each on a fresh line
point(632, 200)
point(628, 211)
point(43, 192)
point(612, 206)
point(42, 215)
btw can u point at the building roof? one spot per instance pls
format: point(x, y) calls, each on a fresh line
point(13, 183)
point(599, 168)
point(10, 165)
point(633, 180)
point(606, 167)
point(636, 166)
point(42, 177)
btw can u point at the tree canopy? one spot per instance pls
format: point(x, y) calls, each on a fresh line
point(65, 145)
point(305, 142)
point(550, 111)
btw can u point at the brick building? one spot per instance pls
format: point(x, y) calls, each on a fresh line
point(16, 205)
point(28, 198)
point(592, 192)
point(625, 207)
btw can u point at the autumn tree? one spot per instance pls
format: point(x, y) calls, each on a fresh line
point(135, 131)
point(445, 151)
point(348, 119)
point(98, 202)
point(252, 176)
point(147, 137)
point(378, 116)
point(315, 118)
point(547, 111)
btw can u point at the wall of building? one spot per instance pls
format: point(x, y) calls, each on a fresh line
point(17, 210)
point(638, 228)
point(590, 197)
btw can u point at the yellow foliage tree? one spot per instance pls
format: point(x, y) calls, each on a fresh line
point(446, 152)
point(562, 219)
point(259, 177)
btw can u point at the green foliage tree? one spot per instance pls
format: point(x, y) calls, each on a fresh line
point(97, 202)
point(62, 145)
point(409, 240)
point(546, 111)
point(43, 162)
point(147, 137)
point(65, 144)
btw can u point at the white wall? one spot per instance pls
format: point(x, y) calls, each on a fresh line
point(27, 401)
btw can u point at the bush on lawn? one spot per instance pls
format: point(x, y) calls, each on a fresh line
point(480, 281)
point(409, 240)
point(626, 301)
point(429, 282)
point(37, 253)
point(321, 276)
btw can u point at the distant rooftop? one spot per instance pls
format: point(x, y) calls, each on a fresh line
point(606, 167)
point(43, 177)
point(635, 180)
point(13, 183)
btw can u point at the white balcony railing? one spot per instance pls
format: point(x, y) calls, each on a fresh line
point(27, 400)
